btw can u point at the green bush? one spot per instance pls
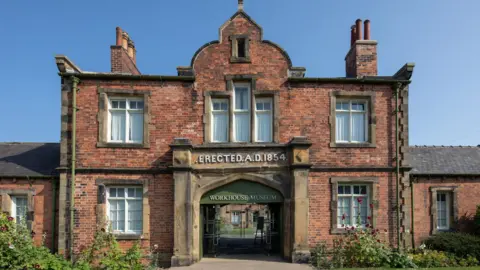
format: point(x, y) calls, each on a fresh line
point(17, 250)
point(434, 258)
point(319, 256)
point(401, 260)
point(459, 244)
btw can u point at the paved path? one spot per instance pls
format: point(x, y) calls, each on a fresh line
point(244, 262)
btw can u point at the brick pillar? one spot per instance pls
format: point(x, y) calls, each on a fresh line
point(183, 207)
point(300, 164)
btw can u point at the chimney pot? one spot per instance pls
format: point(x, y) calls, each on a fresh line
point(353, 34)
point(358, 26)
point(131, 49)
point(367, 29)
point(125, 40)
point(119, 36)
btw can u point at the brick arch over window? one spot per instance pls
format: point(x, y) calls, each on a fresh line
point(241, 176)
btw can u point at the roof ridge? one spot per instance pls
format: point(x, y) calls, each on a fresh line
point(16, 143)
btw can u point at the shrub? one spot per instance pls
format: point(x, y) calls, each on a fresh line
point(17, 250)
point(319, 256)
point(459, 244)
point(401, 260)
point(434, 258)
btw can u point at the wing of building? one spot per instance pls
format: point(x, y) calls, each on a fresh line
point(239, 141)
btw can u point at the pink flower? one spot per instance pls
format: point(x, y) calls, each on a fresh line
point(371, 205)
point(385, 230)
point(10, 218)
point(369, 218)
point(367, 225)
point(343, 225)
point(343, 216)
point(359, 199)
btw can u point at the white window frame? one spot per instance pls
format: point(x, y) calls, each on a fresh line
point(14, 206)
point(351, 112)
point(108, 198)
point(447, 206)
point(214, 112)
point(246, 112)
point(354, 197)
point(127, 117)
point(269, 112)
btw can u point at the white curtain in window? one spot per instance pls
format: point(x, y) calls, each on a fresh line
point(134, 215)
point(441, 210)
point(242, 127)
point(136, 127)
point(241, 98)
point(118, 126)
point(360, 210)
point(20, 209)
point(342, 126)
point(343, 211)
point(358, 127)
point(117, 214)
point(220, 127)
point(264, 127)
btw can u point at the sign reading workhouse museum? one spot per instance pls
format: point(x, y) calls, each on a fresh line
point(242, 192)
point(240, 158)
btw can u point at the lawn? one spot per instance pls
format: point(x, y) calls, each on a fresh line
point(439, 268)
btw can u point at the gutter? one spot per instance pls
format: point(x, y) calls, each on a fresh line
point(126, 76)
point(412, 231)
point(54, 207)
point(73, 143)
point(361, 80)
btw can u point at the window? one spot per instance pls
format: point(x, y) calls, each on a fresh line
point(241, 114)
point(351, 121)
point(125, 120)
point(443, 210)
point(19, 208)
point(263, 120)
point(236, 218)
point(352, 205)
point(125, 209)
point(220, 120)
point(241, 47)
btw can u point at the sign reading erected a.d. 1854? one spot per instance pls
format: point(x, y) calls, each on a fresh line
point(240, 158)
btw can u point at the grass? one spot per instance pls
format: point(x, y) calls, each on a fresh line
point(439, 268)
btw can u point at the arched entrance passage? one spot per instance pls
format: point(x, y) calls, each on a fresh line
point(241, 217)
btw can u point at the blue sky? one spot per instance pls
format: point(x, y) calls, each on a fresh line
point(441, 37)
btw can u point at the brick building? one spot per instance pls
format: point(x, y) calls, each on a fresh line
point(152, 156)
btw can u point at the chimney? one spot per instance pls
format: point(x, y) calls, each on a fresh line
point(361, 59)
point(123, 54)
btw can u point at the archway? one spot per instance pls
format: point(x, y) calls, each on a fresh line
point(241, 217)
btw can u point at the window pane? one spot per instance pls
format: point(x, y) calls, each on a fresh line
point(259, 106)
point(363, 190)
point(360, 210)
point(114, 104)
point(117, 128)
point(133, 104)
point(342, 126)
point(241, 98)
point(134, 215)
point(348, 190)
point(346, 106)
point(138, 193)
point(113, 192)
point(131, 192)
point(356, 190)
point(216, 106)
point(117, 214)
point(267, 106)
point(340, 189)
point(220, 127)
point(343, 210)
point(136, 127)
point(242, 127)
point(21, 209)
point(358, 127)
point(122, 104)
point(121, 192)
point(264, 127)
point(224, 106)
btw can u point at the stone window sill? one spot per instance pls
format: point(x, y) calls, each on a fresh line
point(240, 59)
point(352, 145)
point(120, 236)
point(121, 145)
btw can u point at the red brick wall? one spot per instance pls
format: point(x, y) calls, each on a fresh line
point(121, 62)
point(320, 194)
point(160, 194)
point(468, 192)
point(43, 206)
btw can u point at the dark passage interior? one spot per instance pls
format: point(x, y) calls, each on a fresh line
point(241, 229)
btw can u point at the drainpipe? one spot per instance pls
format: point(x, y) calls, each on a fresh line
point(412, 214)
point(397, 167)
point(54, 206)
point(72, 181)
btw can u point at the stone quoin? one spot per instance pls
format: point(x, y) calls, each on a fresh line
point(239, 133)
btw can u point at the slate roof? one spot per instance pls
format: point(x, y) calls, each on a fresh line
point(29, 159)
point(445, 160)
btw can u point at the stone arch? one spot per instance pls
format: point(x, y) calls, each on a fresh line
point(237, 177)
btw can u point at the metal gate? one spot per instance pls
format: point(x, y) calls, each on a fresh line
point(211, 229)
